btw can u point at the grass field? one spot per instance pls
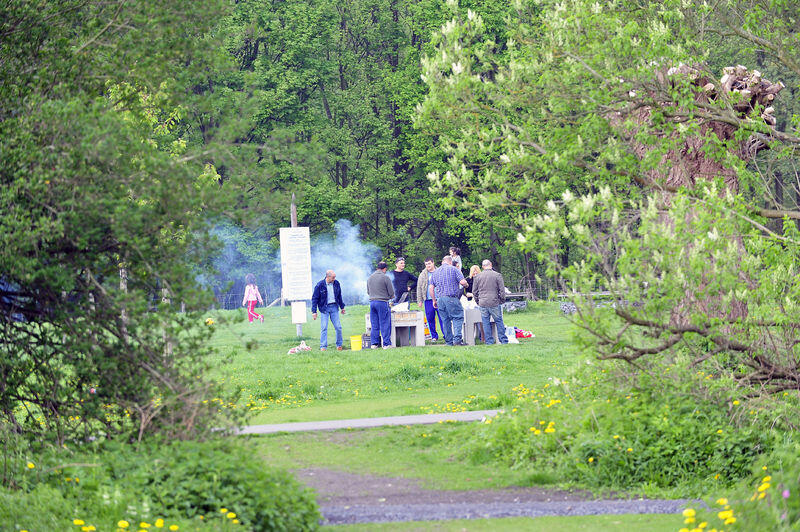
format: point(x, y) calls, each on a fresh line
point(317, 385)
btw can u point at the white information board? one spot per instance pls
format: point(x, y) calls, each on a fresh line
point(299, 314)
point(296, 263)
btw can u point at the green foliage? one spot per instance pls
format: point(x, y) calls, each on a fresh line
point(180, 482)
point(698, 274)
point(767, 500)
point(657, 432)
point(105, 208)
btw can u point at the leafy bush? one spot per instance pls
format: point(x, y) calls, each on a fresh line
point(768, 500)
point(181, 482)
point(656, 432)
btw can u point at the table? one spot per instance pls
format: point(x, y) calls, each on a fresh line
point(408, 328)
point(472, 319)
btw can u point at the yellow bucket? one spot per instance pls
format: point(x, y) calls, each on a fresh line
point(355, 343)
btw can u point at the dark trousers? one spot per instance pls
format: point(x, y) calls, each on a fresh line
point(380, 320)
point(430, 315)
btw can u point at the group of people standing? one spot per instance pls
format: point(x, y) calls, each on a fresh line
point(438, 292)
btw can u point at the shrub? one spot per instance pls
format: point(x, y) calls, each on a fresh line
point(180, 481)
point(655, 432)
point(768, 500)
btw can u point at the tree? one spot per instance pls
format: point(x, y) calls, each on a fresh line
point(95, 179)
point(594, 108)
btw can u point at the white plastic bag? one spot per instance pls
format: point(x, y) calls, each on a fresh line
point(512, 335)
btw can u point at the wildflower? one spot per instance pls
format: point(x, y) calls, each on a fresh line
point(725, 514)
point(689, 520)
point(123, 524)
point(591, 459)
point(235, 521)
point(761, 495)
point(144, 525)
point(736, 403)
point(722, 501)
point(230, 515)
point(223, 510)
point(719, 431)
point(730, 520)
point(689, 512)
point(766, 479)
point(173, 527)
point(764, 486)
point(702, 525)
point(30, 465)
point(159, 523)
point(616, 436)
point(78, 522)
point(209, 321)
point(785, 494)
point(630, 450)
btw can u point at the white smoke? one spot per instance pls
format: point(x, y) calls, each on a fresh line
point(351, 259)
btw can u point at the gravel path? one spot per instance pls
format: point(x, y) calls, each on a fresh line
point(351, 498)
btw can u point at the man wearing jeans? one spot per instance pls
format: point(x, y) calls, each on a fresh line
point(381, 292)
point(490, 292)
point(444, 287)
point(328, 297)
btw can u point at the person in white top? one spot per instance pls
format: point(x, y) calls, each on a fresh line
point(251, 297)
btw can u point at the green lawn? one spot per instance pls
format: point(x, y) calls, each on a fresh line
point(583, 523)
point(316, 385)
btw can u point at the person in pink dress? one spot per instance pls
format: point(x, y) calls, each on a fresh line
point(251, 297)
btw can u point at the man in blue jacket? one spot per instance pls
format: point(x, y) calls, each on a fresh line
point(328, 298)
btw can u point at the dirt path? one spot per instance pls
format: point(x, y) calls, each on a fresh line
point(354, 498)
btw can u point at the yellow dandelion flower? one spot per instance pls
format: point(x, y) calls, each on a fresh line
point(144, 525)
point(702, 525)
point(689, 520)
point(722, 501)
point(209, 321)
point(123, 524)
point(616, 436)
point(764, 486)
point(223, 510)
point(719, 431)
point(761, 495)
point(173, 527)
point(78, 522)
point(766, 479)
point(159, 523)
point(630, 450)
point(235, 521)
point(591, 459)
point(725, 514)
point(230, 515)
point(689, 512)
point(730, 520)
point(30, 465)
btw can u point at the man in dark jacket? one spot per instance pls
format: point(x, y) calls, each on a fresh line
point(489, 292)
point(328, 298)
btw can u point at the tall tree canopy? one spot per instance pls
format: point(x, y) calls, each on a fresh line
point(591, 118)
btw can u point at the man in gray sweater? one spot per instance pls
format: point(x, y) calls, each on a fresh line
point(489, 291)
point(381, 292)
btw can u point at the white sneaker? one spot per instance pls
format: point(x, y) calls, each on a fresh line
point(388, 346)
point(373, 347)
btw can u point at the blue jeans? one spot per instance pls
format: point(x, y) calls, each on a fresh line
point(497, 314)
point(380, 320)
point(331, 311)
point(430, 315)
point(452, 315)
